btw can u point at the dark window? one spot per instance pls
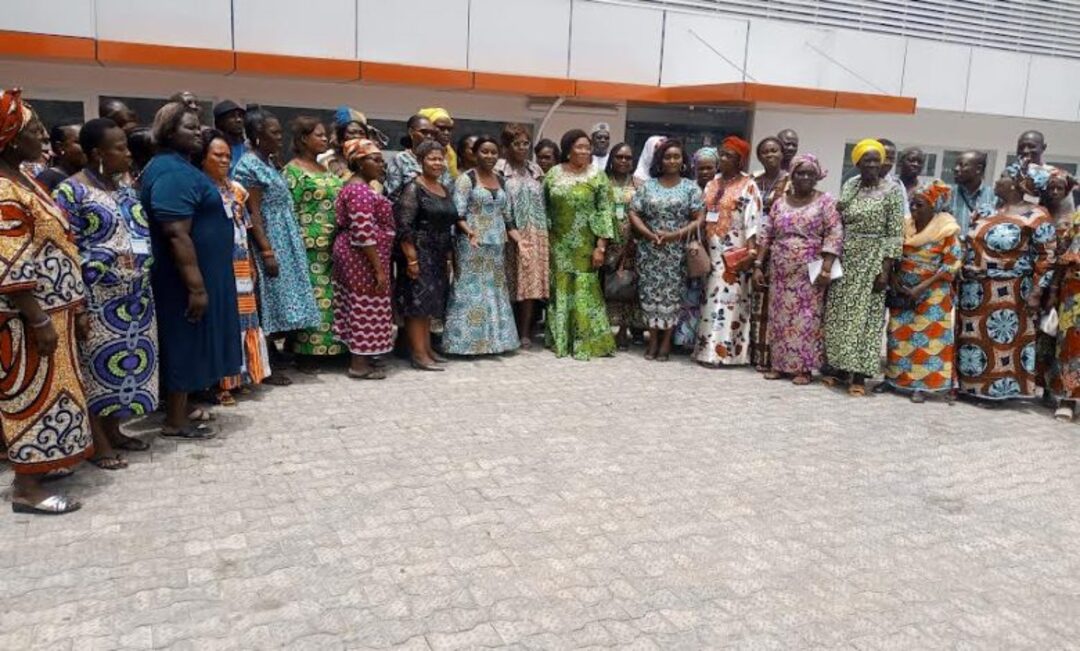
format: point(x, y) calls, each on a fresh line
point(55, 112)
point(146, 107)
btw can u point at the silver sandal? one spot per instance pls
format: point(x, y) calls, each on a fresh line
point(52, 505)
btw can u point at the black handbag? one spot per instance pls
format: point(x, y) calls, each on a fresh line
point(897, 301)
point(620, 285)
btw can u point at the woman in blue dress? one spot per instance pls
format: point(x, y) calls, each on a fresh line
point(119, 354)
point(286, 297)
point(479, 318)
point(193, 281)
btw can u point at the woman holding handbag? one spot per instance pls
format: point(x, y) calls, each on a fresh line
point(620, 267)
point(665, 212)
point(733, 207)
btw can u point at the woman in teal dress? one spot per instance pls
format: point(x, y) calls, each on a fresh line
point(479, 318)
point(578, 198)
point(665, 212)
point(314, 190)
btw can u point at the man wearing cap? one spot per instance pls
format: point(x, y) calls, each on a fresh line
point(601, 141)
point(229, 119)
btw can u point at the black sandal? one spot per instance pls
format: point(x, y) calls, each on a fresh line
point(194, 431)
point(130, 444)
point(277, 380)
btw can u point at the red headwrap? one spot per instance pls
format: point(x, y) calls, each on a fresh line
point(13, 115)
point(739, 146)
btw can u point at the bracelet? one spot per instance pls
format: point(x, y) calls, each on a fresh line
point(414, 263)
point(269, 253)
point(41, 324)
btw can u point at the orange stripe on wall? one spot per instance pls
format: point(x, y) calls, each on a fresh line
point(165, 56)
point(46, 46)
point(615, 91)
point(789, 95)
point(875, 103)
point(525, 85)
point(279, 65)
point(393, 73)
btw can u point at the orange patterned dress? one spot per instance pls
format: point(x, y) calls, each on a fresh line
point(42, 405)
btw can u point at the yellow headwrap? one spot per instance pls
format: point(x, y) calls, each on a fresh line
point(435, 114)
point(864, 146)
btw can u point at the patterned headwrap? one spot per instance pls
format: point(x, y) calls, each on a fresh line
point(936, 192)
point(812, 161)
point(706, 152)
point(864, 146)
point(434, 114)
point(739, 146)
point(1031, 174)
point(358, 148)
point(345, 115)
point(14, 115)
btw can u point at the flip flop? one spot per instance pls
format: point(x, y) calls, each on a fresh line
point(52, 505)
point(226, 399)
point(201, 415)
point(277, 380)
point(772, 375)
point(194, 431)
point(856, 391)
point(115, 462)
point(370, 374)
point(801, 380)
point(918, 397)
point(130, 444)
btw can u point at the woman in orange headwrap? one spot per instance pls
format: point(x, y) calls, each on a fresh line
point(921, 320)
point(732, 210)
point(43, 413)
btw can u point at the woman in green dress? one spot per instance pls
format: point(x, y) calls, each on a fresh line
point(872, 210)
point(314, 190)
point(578, 198)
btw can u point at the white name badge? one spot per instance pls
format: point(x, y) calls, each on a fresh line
point(712, 217)
point(620, 211)
point(140, 246)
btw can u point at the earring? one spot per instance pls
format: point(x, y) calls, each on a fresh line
point(101, 168)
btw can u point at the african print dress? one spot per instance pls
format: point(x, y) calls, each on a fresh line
point(622, 253)
point(363, 315)
point(527, 264)
point(759, 296)
point(314, 194)
point(479, 318)
point(579, 210)
point(662, 268)
point(855, 313)
point(43, 416)
point(920, 340)
point(1008, 255)
point(1067, 361)
point(733, 210)
point(286, 302)
point(795, 237)
point(120, 356)
point(256, 365)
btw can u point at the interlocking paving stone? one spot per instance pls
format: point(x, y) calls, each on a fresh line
point(536, 503)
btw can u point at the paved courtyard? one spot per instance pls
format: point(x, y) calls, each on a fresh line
point(538, 503)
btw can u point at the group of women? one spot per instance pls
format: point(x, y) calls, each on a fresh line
point(182, 273)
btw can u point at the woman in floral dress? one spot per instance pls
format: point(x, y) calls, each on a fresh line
point(705, 161)
point(622, 249)
point(314, 190)
point(733, 207)
point(1007, 267)
point(363, 316)
point(526, 264)
point(479, 319)
point(664, 213)
point(873, 212)
point(921, 336)
point(286, 297)
point(578, 198)
point(772, 182)
point(803, 226)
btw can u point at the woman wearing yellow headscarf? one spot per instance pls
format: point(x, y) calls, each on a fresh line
point(442, 121)
point(872, 210)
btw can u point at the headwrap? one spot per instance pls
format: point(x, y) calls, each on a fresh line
point(739, 146)
point(434, 114)
point(863, 146)
point(645, 159)
point(936, 192)
point(706, 152)
point(14, 115)
point(600, 126)
point(358, 148)
point(1033, 174)
point(345, 115)
point(809, 159)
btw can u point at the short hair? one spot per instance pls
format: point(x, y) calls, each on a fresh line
point(410, 124)
point(255, 119)
point(142, 146)
point(460, 144)
point(547, 143)
point(766, 139)
point(512, 132)
point(980, 157)
point(1032, 132)
point(425, 148)
point(656, 169)
point(885, 142)
point(209, 135)
point(107, 106)
point(610, 167)
point(58, 134)
point(93, 133)
point(302, 126)
point(167, 122)
point(340, 129)
point(482, 139)
point(907, 151)
point(568, 140)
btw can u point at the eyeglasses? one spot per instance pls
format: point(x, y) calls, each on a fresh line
point(429, 132)
point(445, 127)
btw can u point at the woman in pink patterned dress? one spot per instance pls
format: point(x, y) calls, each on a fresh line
point(803, 226)
point(363, 317)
